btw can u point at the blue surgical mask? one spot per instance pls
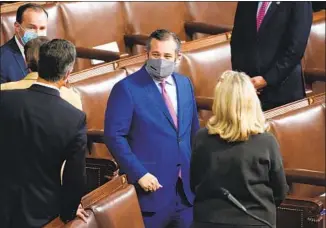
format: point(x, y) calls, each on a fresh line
point(28, 35)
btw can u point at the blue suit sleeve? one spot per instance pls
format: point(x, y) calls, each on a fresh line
point(195, 121)
point(118, 121)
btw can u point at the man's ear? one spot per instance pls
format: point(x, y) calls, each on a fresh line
point(17, 27)
point(178, 57)
point(65, 78)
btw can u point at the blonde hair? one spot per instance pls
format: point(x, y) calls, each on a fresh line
point(237, 112)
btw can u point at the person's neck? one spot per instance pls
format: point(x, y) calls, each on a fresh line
point(55, 84)
point(19, 39)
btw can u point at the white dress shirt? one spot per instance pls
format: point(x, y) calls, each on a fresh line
point(171, 90)
point(21, 47)
point(259, 5)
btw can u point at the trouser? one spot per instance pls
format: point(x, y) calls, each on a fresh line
point(177, 214)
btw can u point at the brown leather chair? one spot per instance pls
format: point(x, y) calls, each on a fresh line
point(113, 205)
point(301, 136)
point(206, 66)
point(2, 34)
point(90, 24)
point(210, 18)
point(94, 91)
point(314, 57)
point(145, 17)
point(316, 99)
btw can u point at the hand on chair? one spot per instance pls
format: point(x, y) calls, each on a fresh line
point(81, 213)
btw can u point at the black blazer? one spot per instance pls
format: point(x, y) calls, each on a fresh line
point(275, 51)
point(252, 171)
point(12, 63)
point(38, 131)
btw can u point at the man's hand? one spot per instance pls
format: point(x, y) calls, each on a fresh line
point(81, 213)
point(258, 82)
point(148, 182)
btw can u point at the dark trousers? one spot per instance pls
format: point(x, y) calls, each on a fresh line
point(177, 214)
point(215, 225)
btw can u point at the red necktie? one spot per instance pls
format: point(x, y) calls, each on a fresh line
point(168, 103)
point(261, 14)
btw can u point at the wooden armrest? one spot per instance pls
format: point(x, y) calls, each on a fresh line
point(204, 103)
point(91, 53)
point(312, 206)
point(95, 136)
point(131, 39)
point(199, 27)
point(305, 176)
point(315, 74)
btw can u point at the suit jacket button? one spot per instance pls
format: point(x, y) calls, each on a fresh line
point(179, 140)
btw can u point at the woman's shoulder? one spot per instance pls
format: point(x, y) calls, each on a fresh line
point(267, 138)
point(202, 131)
point(204, 136)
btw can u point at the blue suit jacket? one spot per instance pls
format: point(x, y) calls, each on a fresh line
point(140, 134)
point(12, 63)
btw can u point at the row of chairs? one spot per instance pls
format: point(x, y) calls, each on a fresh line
point(203, 61)
point(115, 203)
point(90, 24)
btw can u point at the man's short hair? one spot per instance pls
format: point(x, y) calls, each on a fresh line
point(31, 51)
point(23, 8)
point(163, 34)
point(57, 57)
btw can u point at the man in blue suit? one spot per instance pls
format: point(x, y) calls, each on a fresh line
point(31, 21)
point(150, 121)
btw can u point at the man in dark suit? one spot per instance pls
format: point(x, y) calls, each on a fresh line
point(268, 42)
point(31, 21)
point(39, 131)
point(150, 121)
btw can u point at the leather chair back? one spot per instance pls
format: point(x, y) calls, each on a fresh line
point(145, 17)
point(113, 205)
point(212, 13)
point(94, 93)
point(314, 57)
point(3, 37)
point(206, 66)
point(301, 136)
point(90, 24)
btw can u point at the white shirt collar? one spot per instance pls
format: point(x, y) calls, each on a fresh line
point(46, 85)
point(20, 46)
point(169, 80)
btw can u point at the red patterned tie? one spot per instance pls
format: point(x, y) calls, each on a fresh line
point(168, 103)
point(261, 14)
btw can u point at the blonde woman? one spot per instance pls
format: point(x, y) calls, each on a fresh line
point(236, 154)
